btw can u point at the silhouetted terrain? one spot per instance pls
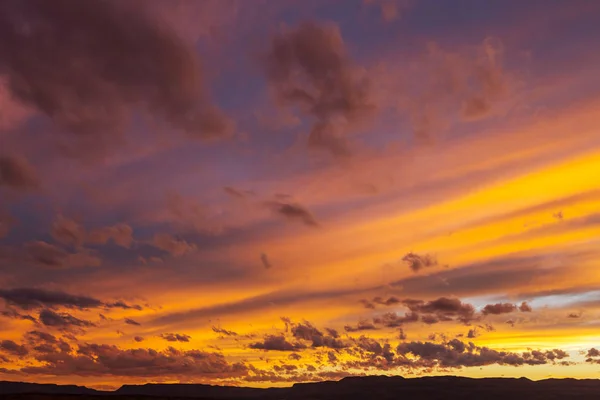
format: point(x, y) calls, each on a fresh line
point(374, 387)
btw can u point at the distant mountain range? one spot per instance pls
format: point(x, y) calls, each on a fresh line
point(370, 387)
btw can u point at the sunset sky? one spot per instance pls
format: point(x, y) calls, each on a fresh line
point(264, 192)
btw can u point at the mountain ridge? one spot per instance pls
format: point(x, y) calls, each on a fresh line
point(353, 387)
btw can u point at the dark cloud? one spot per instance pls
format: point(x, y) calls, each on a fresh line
point(390, 301)
point(13, 348)
point(32, 298)
point(175, 337)
point(457, 354)
point(306, 331)
point(120, 234)
point(130, 321)
point(50, 256)
point(574, 315)
point(10, 313)
point(67, 231)
point(265, 261)
point(278, 343)
point(138, 338)
point(224, 332)
point(17, 173)
point(308, 67)
point(525, 307)
point(360, 326)
point(233, 192)
point(442, 309)
point(109, 360)
point(499, 308)
point(43, 342)
point(418, 262)
point(393, 320)
point(121, 61)
point(175, 246)
point(593, 352)
point(293, 212)
point(62, 320)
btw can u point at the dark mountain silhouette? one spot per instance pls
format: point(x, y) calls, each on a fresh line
point(372, 387)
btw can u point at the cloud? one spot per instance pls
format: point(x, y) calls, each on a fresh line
point(51, 256)
point(10, 313)
point(90, 359)
point(306, 331)
point(293, 212)
point(308, 67)
point(67, 231)
point(442, 309)
point(11, 347)
point(390, 301)
point(130, 321)
point(138, 338)
point(233, 192)
point(175, 337)
point(223, 331)
point(276, 343)
point(499, 308)
point(457, 354)
point(176, 247)
point(70, 83)
point(62, 320)
point(418, 262)
point(265, 261)
point(360, 326)
point(574, 315)
point(33, 298)
point(393, 320)
point(70, 232)
point(121, 235)
point(525, 307)
point(16, 173)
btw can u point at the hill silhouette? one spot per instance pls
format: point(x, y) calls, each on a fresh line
point(371, 387)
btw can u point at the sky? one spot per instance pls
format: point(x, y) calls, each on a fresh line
point(264, 192)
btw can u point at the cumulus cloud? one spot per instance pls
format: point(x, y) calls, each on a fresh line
point(176, 247)
point(293, 211)
point(51, 256)
point(309, 67)
point(34, 298)
point(390, 301)
point(69, 81)
point(499, 308)
point(90, 359)
point(10, 313)
point(276, 343)
point(17, 173)
point(525, 307)
point(62, 320)
point(442, 309)
point(360, 326)
point(138, 338)
point(120, 234)
point(13, 348)
point(418, 262)
point(70, 232)
point(306, 331)
point(175, 337)
point(393, 320)
point(457, 354)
